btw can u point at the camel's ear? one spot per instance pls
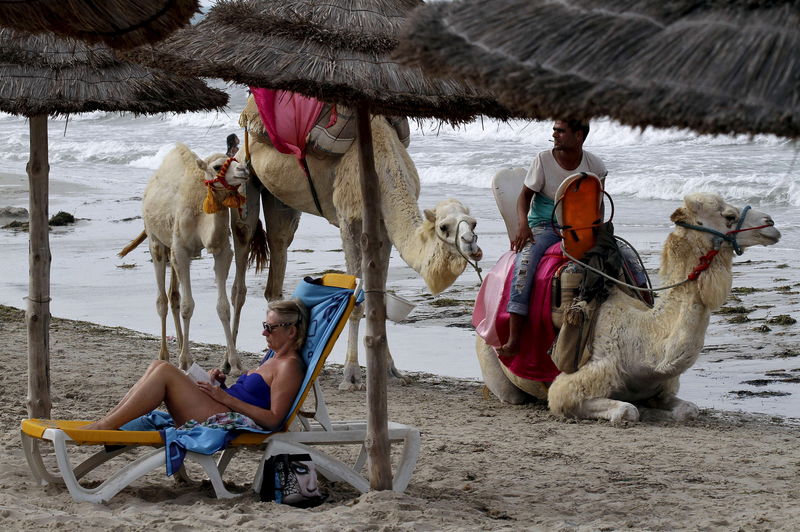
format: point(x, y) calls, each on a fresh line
point(202, 165)
point(430, 215)
point(680, 215)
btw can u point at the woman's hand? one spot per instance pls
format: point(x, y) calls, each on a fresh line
point(215, 392)
point(216, 375)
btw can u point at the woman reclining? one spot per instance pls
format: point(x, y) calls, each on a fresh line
point(264, 394)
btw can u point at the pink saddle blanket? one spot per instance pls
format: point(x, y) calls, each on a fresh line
point(490, 317)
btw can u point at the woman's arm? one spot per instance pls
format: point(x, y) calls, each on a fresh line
point(283, 391)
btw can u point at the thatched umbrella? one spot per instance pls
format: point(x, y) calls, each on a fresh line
point(336, 51)
point(43, 75)
point(120, 23)
point(728, 66)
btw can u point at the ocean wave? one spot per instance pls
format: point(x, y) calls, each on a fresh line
point(603, 133)
point(152, 160)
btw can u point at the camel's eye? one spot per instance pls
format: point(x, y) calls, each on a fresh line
point(217, 168)
point(443, 228)
point(730, 219)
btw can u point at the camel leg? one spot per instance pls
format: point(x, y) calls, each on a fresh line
point(175, 305)
point(242, 230)
point(280, 223)
point(667, 407)
point(395, 375)
point(604, 408)
point(568, 395)
point(494, 378)
point(222, 265)
point(159, 252)
point(351, 243)
point(180, 258)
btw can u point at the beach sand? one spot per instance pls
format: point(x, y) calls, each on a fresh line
point(483, 465)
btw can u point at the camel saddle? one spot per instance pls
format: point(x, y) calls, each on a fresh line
point(334, 140)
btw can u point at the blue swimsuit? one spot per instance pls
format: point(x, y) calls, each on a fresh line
point(251, 388)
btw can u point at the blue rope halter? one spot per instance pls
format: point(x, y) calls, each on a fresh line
point(719, 237)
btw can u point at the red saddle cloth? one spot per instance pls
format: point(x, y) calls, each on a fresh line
point(491, 319)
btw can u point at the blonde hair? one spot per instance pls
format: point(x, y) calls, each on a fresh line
point(295, 312)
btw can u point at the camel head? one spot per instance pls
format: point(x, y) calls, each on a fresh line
point(449, 233)
point(225, 179)
point(706, 225)
point(735, 228)
point(235, 173)
point(452, 224)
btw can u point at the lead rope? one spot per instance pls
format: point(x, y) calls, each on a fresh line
point(632, 287)
point(474, 265)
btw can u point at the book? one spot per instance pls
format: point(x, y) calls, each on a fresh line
point(198, 374)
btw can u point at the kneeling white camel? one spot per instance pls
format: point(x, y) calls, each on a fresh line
point(639, 353)
point(172, 209)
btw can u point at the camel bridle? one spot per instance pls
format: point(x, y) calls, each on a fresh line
point(730, 236)
point(474, 264)
point(220, 177)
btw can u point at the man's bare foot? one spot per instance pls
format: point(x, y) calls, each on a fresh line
point(509, 349)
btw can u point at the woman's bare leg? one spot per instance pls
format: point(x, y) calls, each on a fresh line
point(162, 383)
point(153, 365)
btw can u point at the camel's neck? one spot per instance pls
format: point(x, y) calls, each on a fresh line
point(435, 260)
point(683, 312)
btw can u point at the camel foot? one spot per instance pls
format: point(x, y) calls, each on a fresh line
point(351, 378)
point(625, 412)
point(231, 368)
point(396, 377)
point(350, 386)
point(685, 411)
point(401, 379)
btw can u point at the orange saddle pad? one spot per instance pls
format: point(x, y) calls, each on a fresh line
point(579, 203)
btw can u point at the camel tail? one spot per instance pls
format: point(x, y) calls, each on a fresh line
point(259, 255)
point(134, 244)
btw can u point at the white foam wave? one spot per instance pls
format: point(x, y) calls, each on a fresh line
point(153, 160)
point(603, 133)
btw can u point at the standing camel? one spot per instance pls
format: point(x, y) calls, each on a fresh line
point(178, 227)
point(434, 244)
point(639, 353)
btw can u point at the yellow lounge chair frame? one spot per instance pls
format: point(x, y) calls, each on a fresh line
point(64, 433)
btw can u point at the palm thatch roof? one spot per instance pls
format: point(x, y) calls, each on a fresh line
point(722, 66)
point(117, 23)
point(336, 51)
point(45, 74)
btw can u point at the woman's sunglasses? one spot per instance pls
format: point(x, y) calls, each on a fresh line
point(268, 328)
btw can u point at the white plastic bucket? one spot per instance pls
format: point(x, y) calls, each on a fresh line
point(397, 308)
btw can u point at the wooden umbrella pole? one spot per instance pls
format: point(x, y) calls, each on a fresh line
point(37, 316)
point(377, 443)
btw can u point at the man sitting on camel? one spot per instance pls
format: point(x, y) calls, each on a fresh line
point(535, 213)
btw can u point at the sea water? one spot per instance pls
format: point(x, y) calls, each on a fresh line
point(100, 164)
